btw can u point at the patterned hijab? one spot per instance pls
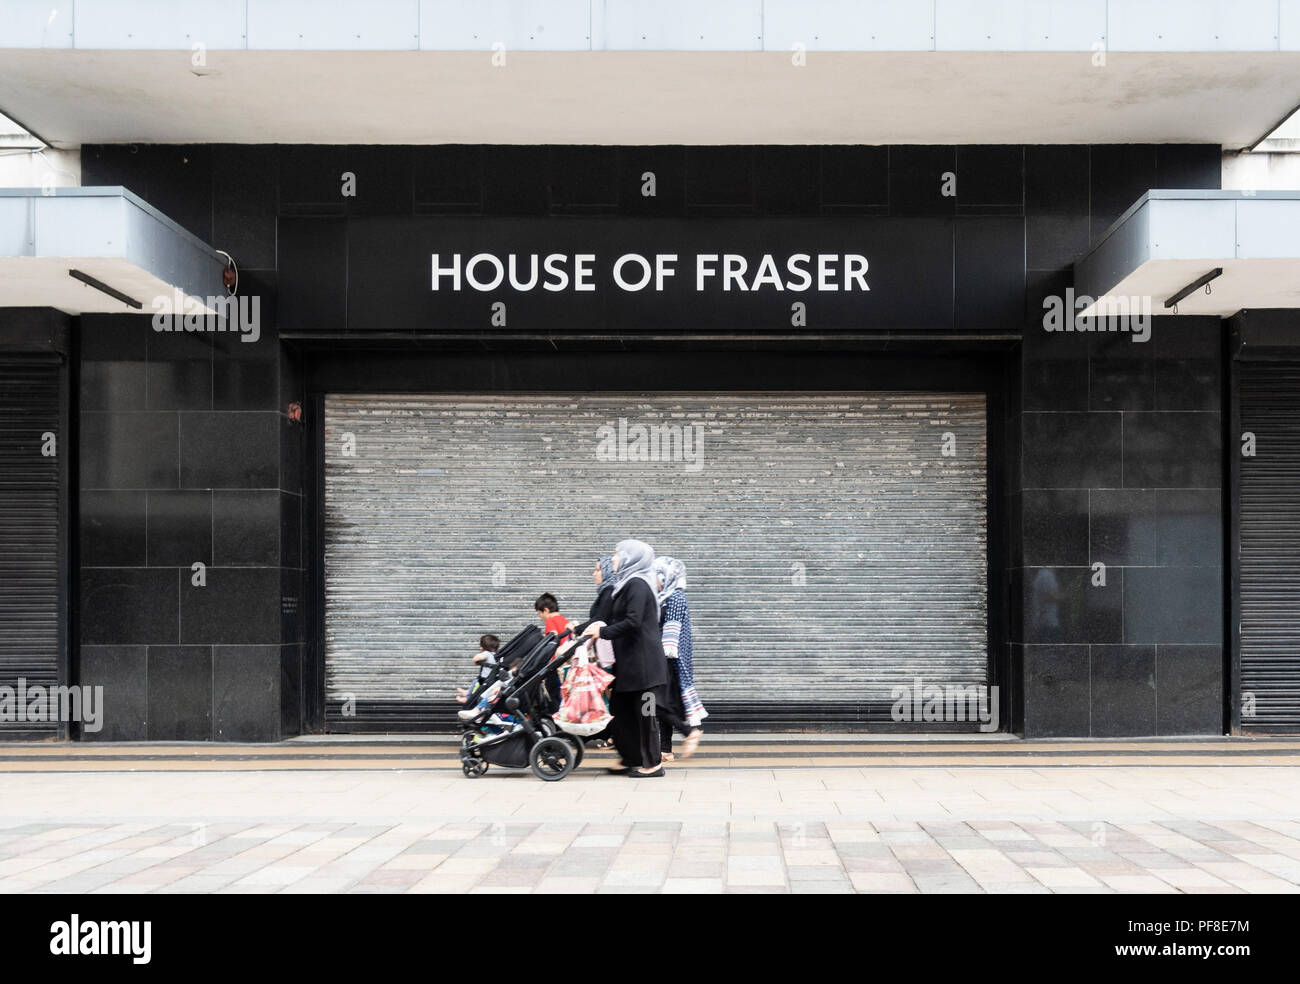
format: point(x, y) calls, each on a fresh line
point(671, 573)
point(635, 562)
point(606, 571)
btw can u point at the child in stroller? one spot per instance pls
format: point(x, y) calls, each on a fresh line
point(533, 740)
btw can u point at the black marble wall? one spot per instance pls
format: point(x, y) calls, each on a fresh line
point(1112, 448)
point(183, 439)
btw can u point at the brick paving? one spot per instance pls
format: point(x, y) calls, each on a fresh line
point(912, 828)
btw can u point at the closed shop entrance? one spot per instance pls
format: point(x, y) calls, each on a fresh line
point(836, 544)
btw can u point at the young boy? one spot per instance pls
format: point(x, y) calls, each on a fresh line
point(548, 610)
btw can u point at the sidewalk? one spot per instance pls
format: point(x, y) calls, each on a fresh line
point(1218, 816)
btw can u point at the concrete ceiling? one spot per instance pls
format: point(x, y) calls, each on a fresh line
point(71, 97)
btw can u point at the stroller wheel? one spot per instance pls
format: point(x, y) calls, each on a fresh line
point(473, 767)
point(552, 759)
point(548, 727)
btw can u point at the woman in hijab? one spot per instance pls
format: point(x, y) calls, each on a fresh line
point(681, 709)
point(642, 668)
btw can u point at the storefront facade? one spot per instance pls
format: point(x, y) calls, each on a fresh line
point(825, 376)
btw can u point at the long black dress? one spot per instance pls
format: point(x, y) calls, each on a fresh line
point(633, 629)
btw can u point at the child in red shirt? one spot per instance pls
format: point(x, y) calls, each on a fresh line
point(548, 610)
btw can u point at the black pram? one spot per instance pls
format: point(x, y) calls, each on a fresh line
point(532, 739)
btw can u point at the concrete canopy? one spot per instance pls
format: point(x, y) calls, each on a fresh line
point(137, 259)
point(1170, 239)
point(673, 72)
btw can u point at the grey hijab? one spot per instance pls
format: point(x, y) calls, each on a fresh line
point(635, 562)
point(606, 571)
point(671, 573)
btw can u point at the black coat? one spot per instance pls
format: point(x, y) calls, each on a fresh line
point(633, 629)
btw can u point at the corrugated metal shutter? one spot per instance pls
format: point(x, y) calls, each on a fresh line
point(1270, 548)
point(832, 549)
point(29, 533)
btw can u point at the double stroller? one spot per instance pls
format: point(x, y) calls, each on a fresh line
point(532, 740)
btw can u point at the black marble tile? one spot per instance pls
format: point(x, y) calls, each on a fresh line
point(384, 180)
point(1045, 297)
point(230, 450)
point(291, 722)
point(448, 178)
point(1055, 525)
point(1072, 450)
point(1014, 511)
point(124, 709)
point(1121, 372)
point(238, 606)
point(916, 180)
point(246, 372)
point(1054, 241)
point(1182, 605)
point(855, 178)
point(583, 180)
point(514, 181)
point(180, 693)
point(720, 177)
point(1062, 605)
point(1121, 174)
point(313, 274)
point(291, 530)
point(311, 179)
point(1056, 179)
point(667, 164)
point(246, 528)
point(1189, 166)
point(1122, 527)
point(113, 361)
point(989, 275)
point(293, 624)
point(245, 201)
point(1189, 528)
point(180, 371)
point(1054, 369)
point(1057, 702)
point(990, 175)
point(1172, 449)
point(1056, 205)
point(175, 179)
point(786, 180)
point(1188, 363)
point(112, 529)
point(1189, 690)
point(294, 446)
point(129, 606)
point(1123, 691)
point(179, 528)
point(246, 693)
point(128, 450)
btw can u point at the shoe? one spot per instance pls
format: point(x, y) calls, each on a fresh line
point(691, 743)
point(468, 715)
point(637, 774)
point(618, 772)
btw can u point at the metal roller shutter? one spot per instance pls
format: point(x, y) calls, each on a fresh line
point(833, 550)
point(1270, 547)
point(29, 533)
